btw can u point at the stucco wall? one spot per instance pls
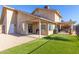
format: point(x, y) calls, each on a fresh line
point(57, 18)
point(25, 19)
point(45, 14)
point(22, 18)
point(21, 22)
point(4, 24)
point(9, 18)
point(18, 19)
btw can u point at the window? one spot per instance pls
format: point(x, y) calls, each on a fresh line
point(43, 27)
point(50, 27)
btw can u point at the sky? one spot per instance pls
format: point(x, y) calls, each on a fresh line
point(67, 11)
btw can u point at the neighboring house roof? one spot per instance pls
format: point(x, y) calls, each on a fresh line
point(55, 11)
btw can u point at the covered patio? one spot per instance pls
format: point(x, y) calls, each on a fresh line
point(40, 26)
point(34, 25)
point(66, 27)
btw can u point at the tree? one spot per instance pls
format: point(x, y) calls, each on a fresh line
point(62, 20)
point(71, 21)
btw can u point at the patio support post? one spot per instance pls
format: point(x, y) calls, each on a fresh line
point(40, 28)
point(47, 28)
point(60, 27)
point(71, 29)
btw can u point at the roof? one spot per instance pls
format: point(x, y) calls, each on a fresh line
point(9, 8)
point(27, 13)
point(56, 11)
point(37, 16)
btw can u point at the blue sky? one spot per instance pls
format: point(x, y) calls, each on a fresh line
point(67, 11)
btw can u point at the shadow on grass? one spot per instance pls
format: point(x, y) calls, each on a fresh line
point(38, 47)
point(56, 38)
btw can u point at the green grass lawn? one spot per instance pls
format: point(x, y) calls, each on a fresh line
point(53, 44)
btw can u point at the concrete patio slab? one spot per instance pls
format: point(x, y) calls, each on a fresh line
point(8, 41)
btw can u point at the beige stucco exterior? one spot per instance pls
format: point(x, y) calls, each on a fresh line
point(8, 19)
point(50, 15)
point(19, 22)
point(45, 13)
point(57, 18)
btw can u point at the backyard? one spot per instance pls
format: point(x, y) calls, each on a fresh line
point(52, 44)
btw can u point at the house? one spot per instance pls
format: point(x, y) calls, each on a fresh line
point(42, 21)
